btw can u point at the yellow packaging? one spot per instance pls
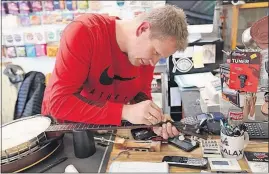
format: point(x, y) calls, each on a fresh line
point(82, 5)
point(52, 50)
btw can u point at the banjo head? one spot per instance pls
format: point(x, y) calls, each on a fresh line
point(21, 132)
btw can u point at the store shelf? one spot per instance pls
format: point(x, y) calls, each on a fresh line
point(42, 64)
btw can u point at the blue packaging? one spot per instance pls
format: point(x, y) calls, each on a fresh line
point(56, 5)
point(68, 4)
point(30, 50)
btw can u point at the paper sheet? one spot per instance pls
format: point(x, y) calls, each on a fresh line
point(188, 53)
point(194, 80)
point(198, 57)
point(136, 167)
point(209, 54)
point(175, 96)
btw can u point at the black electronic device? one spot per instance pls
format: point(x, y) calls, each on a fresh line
point(187, 162)
point(186, 144)
point(257, 130)
point(143, 134)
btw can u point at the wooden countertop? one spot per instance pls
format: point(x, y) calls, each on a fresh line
point(167, 149)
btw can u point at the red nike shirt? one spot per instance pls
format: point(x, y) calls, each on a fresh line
point(92, 78)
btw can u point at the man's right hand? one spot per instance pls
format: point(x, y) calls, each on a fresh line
point(145, 112)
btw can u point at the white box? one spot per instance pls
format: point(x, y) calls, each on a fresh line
point(208, 105)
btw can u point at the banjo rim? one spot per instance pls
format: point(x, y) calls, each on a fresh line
point(28, 144)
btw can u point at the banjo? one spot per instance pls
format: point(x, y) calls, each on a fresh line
point(25, 143)
point(24, 137)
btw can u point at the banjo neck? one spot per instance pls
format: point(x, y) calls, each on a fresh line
point(69, 127)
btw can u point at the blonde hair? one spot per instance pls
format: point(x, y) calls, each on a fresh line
point(168, 21)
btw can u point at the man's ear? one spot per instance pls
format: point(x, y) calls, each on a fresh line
point(144, 26)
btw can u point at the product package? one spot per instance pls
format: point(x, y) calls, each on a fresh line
point(30, 50)
point(228, 94)
point(82, 5)
point(35, 19)
point(59, 5)
point(21, 51)
point(11, 52)
point(62, 4)
point(56, 18)
point(244, 71)
point(13, 8)
point(24, 7)
point(25, 20)
point(71, 4)
point(59, 33)
point(39, 37)
point(95, 5)
point(52, 50)
point(51, 35)
point(46, 19)
point(56, 5)
point(36, 6)
point(8, 39)
point(48, 5)
point(40, 50)
point(18, 39)
point(29, 37)
point(67, 17)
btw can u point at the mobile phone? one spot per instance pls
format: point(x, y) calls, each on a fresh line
point(185, 144)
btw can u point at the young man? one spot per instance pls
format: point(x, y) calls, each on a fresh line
point(104, 68)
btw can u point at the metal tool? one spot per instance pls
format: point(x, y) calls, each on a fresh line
point(122, 152)
point(102, 139)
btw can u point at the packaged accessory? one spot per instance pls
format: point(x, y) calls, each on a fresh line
point(244, 70)
point(11, 52)
point(21, 52)
point(36, 6)
point(30, 51)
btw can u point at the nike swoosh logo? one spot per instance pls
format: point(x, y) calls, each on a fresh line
point(106, 80)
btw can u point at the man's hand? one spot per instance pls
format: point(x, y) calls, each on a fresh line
point(145, 112)
point(167, 130)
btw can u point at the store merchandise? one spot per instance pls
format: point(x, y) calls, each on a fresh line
point(24, 7)
point(21, 52)
point(244, 70)
point(30, 51)
point(18, 39)
point(11, 52)
point(52, 50)
point(41, 50)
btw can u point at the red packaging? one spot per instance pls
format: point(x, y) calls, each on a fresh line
point(244, 71)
